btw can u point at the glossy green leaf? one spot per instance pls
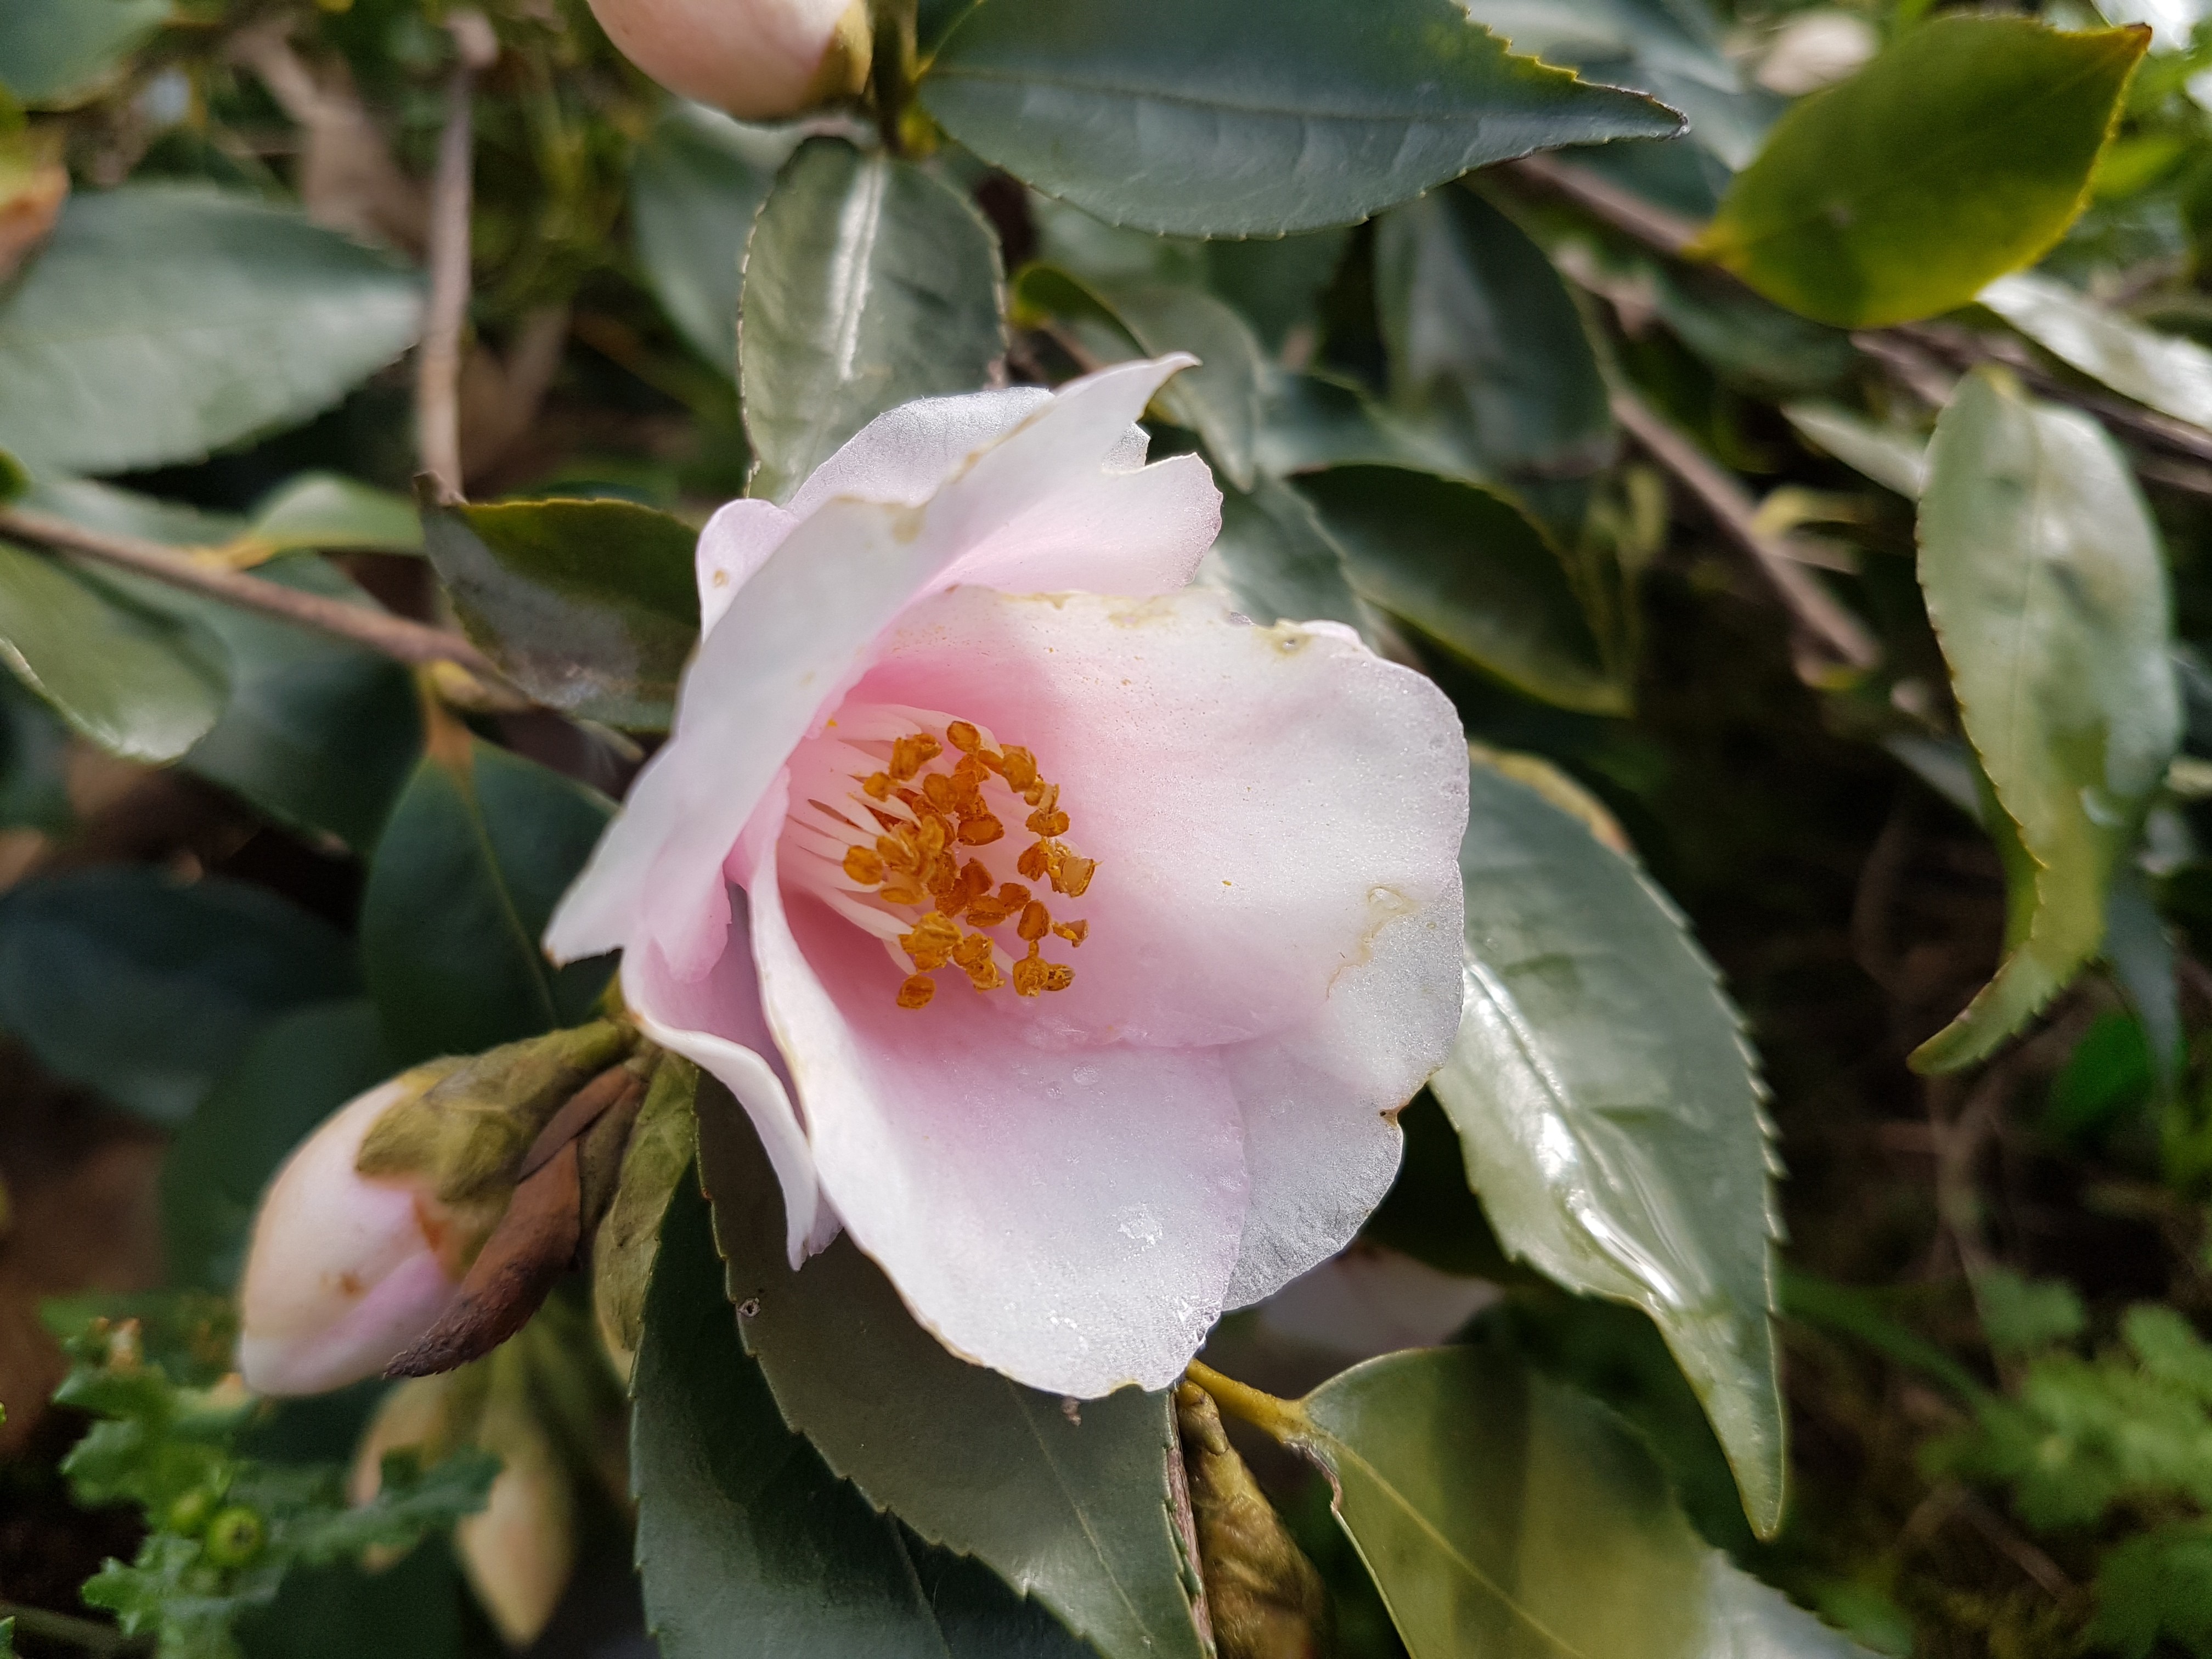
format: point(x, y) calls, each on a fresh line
point(591, 606)
point(1609, 1111)
point(479, 849)
point(1280, 561)
point(2045, 580)
point(1218, 399)
point(1487, 350)
point(868, 284)
point(694, 185)
point(1671, 49)
point(319, 734)
point(1473, 572)
point(148, 989)
point(1961, 153)
point(2171, 374)
point(249, 319)
point(1311, 420)
point(324, 512)
point(15, 479)
point(136, 682)
point(1072, 1508)
point(746, 1541)
point(303, 1067)
point(1223, 121)
point(1506, 1515)
point(53, 51)
point(1893, 457)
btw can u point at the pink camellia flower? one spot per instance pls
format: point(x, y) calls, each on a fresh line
point(1070, 941)
point(345, 1272)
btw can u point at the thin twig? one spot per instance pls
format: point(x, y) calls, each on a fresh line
point(1910, 351)
point(1656, 228)
point(394, 637)
point(438, 366)
point(1823, 619)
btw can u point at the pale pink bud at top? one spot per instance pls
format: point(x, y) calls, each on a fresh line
point(345, 1272)
point(758, 59)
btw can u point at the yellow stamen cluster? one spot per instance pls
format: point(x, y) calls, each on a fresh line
point(919, 861)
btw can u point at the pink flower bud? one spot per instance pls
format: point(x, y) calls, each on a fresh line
point(758, 59)
point(345, 1272)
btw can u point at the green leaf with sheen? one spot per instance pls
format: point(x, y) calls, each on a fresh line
point(1471, 570)
point(590, 606)
point(1202, 121)
point(137, 682)
point(746, 1540)
point(1278, 559)
point(1961, 153)
point(52, 51)
point(1671, 49)
point(1312, 421)
point(33, 763)
point(2047, 586)
point(2171, 374)
point(694, 187)
point(1487, 350)
point(148, 990)
point(1070, 1507)
point(1504, 1514)
point(302, 1067)
point(1895, 457)
point(1610, 1110)
point(327, 512)
point(1218, 399)
point(867, 283)
point(319, 733)
point(479, 849)
point(249, 319)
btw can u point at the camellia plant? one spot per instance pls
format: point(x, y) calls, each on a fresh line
point(955, 680)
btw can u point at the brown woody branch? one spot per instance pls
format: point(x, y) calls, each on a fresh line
point(394, 637)
point(1823, 623)
point(438, 364)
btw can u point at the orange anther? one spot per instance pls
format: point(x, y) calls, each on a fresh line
point(1036, 922)
point(910, 755)
point(916, 991)
point(1044, 823)
point(1019, 767)
point(1073, 874)
point(904, 890)
point(981, 831)
point(939, 790)
point(963, 736)
point(933, 940)
point(863, 866)
point(877, 785)
point(1073, 932)
point(1036, 861)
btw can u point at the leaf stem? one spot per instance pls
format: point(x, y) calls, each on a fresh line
point(1284, 1420)
point(394, 637)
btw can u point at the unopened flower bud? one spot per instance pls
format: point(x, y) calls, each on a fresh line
point(345, 1271)
point(368, 1230)
point(758, 59)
